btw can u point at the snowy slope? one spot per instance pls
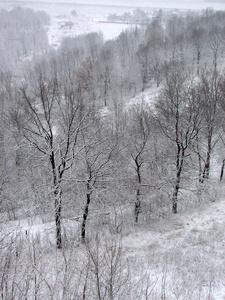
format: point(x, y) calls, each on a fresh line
point(187, 249)
point(178, 257)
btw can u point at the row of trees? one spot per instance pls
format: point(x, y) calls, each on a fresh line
point(80, 152)
point(137, 17)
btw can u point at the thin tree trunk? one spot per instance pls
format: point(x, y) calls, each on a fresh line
point(180, 162)
point(206, 170)
point(58, 207)
point(85, 215)
point(137, 205)
point(200, 172)
point(198, 60)
point(138, 194)
point(222, 170)
point(58, 202)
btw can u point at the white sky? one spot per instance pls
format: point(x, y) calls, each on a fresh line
point(185, 4)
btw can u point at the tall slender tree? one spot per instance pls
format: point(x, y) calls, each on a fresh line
point(50, 122)
point(210, 93)
point(178, 115)
point(140, 133)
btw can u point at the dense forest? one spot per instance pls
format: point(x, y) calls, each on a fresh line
point(74, 150)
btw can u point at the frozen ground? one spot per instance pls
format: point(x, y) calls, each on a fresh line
point(182, 256)
point(188, 248)
point(90, 13)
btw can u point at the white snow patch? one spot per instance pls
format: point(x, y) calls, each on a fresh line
point(149, 97)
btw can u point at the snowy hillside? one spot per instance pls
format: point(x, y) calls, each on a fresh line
point(188, 249)
point(178, 257)
point(112, 150)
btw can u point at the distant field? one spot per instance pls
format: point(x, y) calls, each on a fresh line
point(92, 14)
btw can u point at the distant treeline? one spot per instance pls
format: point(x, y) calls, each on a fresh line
point(137, 17)
point(22, 31)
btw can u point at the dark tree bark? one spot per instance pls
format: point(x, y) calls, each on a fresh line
point(180, 162)
point(58, 207)
point(58, 202)
point(222, 170)
point(138, 192)
point(86, 211)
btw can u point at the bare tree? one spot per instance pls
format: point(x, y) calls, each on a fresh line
point(215, 43)
point(98, 146)
point(108, 270)
point(140, 132)
point(50, 122)
point(210, 93)
point(222, 106)
point(105, 73)
point(143, 59)
point(198, 39)
point(155, 43)
point(178, 115)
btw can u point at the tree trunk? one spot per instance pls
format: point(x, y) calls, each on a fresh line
point(58, 207)
point(138, 194)
point(198, 60)
point(222, 170)
point(58, 202)
point(175, 195)
point(85, 215)
point(208, 158)
point(200, 171)
point(137, 205)
point(180, 162)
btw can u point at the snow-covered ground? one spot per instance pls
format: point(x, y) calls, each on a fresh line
point(177, 257)
point(189, 248)
point(91, 13)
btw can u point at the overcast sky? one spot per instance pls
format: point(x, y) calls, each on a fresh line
point(115, 2)
point(185, 4)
